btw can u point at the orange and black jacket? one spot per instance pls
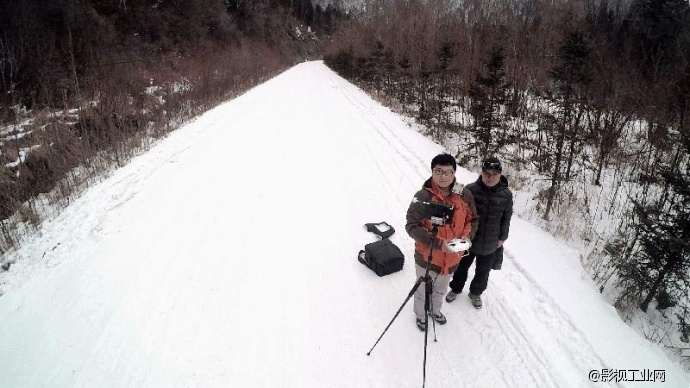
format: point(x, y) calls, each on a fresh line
point(419, 228)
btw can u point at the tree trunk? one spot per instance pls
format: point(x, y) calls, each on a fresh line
point(574, 135)
point(600, 167)
point(571, 153)
point(655, 288)
point(555, 177)
point(538, 150)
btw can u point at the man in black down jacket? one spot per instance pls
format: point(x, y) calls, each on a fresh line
point(494, 203)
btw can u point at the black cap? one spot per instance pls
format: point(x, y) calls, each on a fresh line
point(492, 164)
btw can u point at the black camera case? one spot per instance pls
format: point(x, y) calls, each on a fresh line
point(383, 257)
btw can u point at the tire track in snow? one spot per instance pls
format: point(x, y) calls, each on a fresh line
point(412, 171)
point(528, 354)
point(375, 122)
point(383, 155)
point(565, 334)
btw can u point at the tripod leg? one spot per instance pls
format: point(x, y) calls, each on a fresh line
point(430, 290)
point(427, 302)
point(414, 289)
point(426, 332)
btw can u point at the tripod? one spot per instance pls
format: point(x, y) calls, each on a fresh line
point(428, 289)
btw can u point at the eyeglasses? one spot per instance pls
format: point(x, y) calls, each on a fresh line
point(492, 166)
point(440, 172)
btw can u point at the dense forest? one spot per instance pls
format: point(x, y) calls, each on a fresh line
point(588, 102)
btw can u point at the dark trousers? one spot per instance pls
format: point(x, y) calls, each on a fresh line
point(481, 273)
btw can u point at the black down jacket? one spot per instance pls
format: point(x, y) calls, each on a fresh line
point(495, 208)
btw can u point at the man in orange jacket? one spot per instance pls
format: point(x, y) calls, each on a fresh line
point(444, 261)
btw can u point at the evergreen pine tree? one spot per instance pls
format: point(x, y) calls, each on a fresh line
point(660, 266)
point(444, 55)
point(488, 93)
point(571, 75)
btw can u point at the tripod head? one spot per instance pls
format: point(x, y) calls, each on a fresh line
point(438, 213)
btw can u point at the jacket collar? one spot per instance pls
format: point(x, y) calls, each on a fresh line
point(501, 185)
point(436, 191)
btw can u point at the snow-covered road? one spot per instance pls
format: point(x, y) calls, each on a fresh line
point(226, 257)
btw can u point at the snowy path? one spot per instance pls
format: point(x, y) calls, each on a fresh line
point(226, 256)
